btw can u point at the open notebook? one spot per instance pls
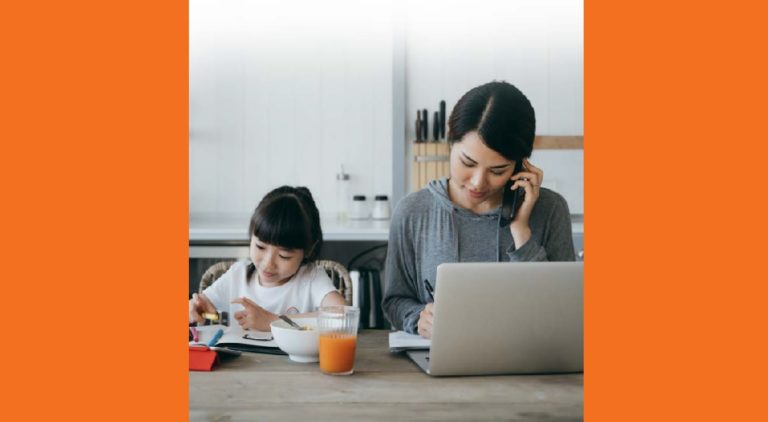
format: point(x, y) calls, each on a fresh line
point(400, 341)
point(236, 338)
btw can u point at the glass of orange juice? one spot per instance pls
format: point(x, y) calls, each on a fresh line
point(337, 326)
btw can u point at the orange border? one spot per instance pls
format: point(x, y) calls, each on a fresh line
point(94, 173)
point(94, 169)
point(675, 234)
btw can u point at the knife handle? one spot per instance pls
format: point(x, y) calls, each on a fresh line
point(442, 119)
point(418, 126)
point(436, 127)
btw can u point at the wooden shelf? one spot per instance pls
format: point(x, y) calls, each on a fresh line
point(547, 142)
point(558, 142)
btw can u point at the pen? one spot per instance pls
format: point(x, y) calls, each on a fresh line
point(195, 336)
point(216, 337)
point(430, 290)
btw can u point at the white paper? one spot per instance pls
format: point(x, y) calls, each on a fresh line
point(235, 334)
point(400, 340)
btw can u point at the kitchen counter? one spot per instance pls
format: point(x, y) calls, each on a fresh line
point(230, 229)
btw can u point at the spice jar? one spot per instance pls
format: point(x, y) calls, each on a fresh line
point(360, 209)
point(381, 207)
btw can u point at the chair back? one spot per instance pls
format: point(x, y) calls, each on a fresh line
point(339, 276)
point(213, 273)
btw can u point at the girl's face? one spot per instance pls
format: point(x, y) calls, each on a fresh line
point(478, 174)
point(274, 264)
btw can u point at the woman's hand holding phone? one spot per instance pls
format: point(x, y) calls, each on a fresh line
point(528, 179)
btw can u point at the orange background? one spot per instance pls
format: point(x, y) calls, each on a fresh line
point(94, 222)
point(675, 222)
point(94, 173)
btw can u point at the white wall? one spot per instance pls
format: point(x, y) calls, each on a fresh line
point(537, 45)
point(283, 93)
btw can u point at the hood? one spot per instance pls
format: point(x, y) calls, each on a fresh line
point(439, 190)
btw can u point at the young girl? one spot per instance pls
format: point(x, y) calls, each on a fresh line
point(280, 276)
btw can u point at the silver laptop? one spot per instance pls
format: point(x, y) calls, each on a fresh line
point(506, 318)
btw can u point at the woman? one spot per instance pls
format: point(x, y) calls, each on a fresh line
point(459, 219)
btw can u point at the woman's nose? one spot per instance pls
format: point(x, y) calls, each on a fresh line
point(477, 180)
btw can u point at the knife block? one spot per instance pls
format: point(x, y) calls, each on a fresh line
point(430, 161)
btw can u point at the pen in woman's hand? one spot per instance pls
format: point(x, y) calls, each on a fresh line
point(430, 290)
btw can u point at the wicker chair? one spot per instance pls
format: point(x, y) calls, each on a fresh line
point(340, 278)
point(336, 271)
point(213, 273)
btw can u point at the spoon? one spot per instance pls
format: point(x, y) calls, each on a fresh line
point(291, 322)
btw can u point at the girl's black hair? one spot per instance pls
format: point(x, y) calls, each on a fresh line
point(288, 217)
point(502, 116)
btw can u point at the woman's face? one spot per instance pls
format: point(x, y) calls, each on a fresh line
point(478, 174)
point(275, 264)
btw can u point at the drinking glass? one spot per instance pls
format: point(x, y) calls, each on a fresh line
point(337, 326)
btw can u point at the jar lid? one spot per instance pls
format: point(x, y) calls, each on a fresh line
point(358, 198)
point(381, 197)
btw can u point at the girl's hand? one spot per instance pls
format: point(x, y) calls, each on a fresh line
point(530, 180)
point(198, 305)
point(254, 316)
point(426, 318)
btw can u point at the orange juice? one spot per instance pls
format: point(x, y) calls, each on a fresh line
point(337, 352)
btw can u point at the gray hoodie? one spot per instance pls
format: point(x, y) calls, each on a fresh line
point(428, 229)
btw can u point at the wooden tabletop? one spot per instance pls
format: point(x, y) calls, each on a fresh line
point(384, 386)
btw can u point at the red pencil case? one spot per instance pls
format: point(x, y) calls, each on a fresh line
point(201, 358)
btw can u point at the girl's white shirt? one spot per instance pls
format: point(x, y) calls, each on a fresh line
point(304, 292)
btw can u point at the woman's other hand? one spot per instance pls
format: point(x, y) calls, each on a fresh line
point(426, 318)
point(254, 316)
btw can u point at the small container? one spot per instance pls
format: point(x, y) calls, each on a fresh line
point(342, 195)
point(360, 209)
point(381, 207)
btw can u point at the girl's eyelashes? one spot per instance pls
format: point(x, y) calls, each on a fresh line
point(466, 164)
point(262, 247)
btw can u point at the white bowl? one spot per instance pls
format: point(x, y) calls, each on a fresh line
point(301, 345)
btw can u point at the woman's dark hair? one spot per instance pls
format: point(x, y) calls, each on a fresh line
point(502, 116)
point(288, 217)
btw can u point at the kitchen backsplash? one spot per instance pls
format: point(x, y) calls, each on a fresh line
point(287, 103)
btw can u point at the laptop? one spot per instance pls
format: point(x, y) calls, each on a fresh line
point(506, 318)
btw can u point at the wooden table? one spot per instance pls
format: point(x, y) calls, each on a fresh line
point(384, 387)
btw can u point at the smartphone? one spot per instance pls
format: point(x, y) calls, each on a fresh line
point(512, 199)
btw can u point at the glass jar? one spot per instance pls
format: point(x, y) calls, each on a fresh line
point(381, 207)
point(360, 209)
point(342, 195)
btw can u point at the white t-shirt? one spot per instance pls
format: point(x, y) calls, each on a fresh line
point(303, 293)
